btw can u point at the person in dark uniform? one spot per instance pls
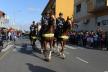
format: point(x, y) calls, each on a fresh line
point(67, 24)
point(44, 23)
point(52, 21)
point(60, 21)
point(33, 35)
point(32, 30)
point(32, 27)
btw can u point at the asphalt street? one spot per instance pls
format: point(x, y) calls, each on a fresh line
point(21, 58)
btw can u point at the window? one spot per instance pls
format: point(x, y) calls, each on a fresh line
point(101, 3)
point(98, 24)
point(105, 22)
point(78, 8)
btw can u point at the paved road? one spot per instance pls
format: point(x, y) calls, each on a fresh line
point(23, 59)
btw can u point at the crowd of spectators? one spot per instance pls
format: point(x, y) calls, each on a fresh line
point(90, 39)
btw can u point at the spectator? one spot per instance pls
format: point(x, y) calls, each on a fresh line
point(1, 42)
point(84, 38)
point(90, 39)
point(9, 36)
point(103, 41)
point(106, 40)
point(13, 35)
point(95, 38)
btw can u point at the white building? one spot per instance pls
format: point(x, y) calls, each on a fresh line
point(4, 20)
point(90, 14)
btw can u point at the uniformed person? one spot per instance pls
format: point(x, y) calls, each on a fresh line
point(67, 24)
point(44, 23)
point(60, 21)
point(32, 27)
point(33, 34)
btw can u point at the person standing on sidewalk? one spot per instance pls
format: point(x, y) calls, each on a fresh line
point(91, 39)
point(9, 36)
point(84, 39)
point(95, 38)
point(13, 35)
point(106, 40)
point(1, 42)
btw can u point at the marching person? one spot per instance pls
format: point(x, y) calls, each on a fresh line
point(44, 22)
point(67, 24)
point(32, 27)
point(60, 21)
point(33, 35)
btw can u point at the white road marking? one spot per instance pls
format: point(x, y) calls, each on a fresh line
point(66, 46)
point(70, 47)
point(80, 47)
point(66, 52)
point(105, 71)
point(81, 59)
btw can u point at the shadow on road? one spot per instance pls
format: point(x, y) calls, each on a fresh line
point(25, 50)
point(33, 68)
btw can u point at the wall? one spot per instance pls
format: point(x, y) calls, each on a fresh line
point(105, 19)
point(66, 7)
point(82, 16)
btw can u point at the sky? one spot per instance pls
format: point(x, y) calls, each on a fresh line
point(23, 12)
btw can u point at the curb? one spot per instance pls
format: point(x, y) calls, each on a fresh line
point(9, 43)
point(7, 48)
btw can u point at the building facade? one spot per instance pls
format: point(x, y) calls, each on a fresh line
point(91, 14)
point(57, 6)
point(2, 14)
point(2, 17)
point(50, 7)
point(4, 20)
point(66, 7)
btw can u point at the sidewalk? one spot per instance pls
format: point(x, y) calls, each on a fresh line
point(7, 45)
